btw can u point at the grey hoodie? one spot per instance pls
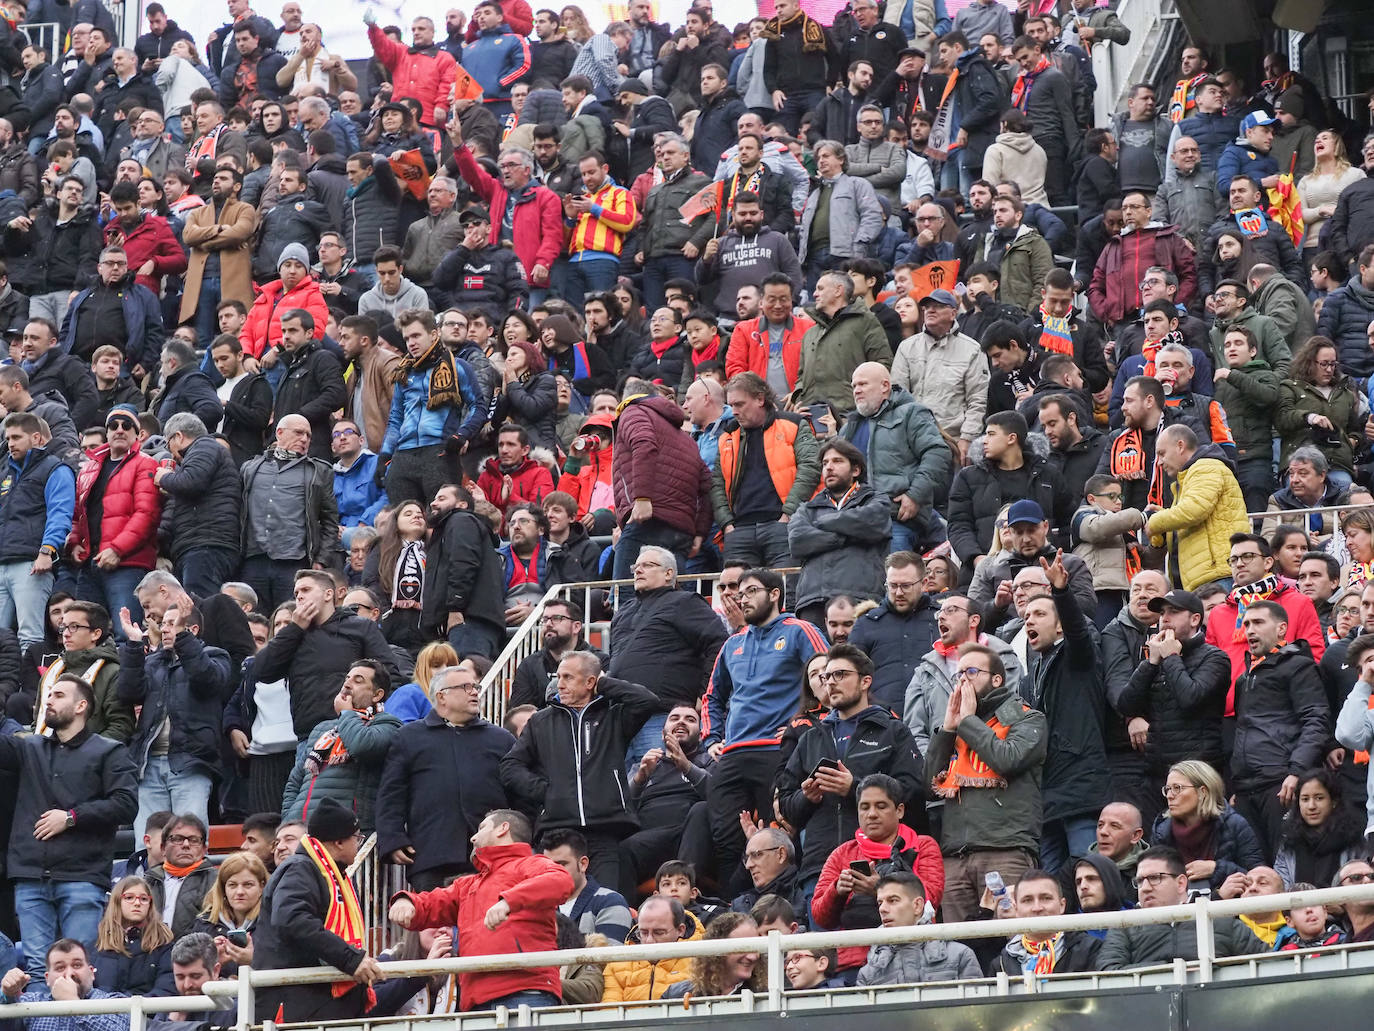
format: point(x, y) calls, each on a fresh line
point(409, 296)
point(1016, 157)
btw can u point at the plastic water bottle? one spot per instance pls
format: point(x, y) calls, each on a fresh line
point(1001, 900)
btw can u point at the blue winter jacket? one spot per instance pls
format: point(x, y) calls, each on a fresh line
point(358, 496)
point(497, 59)
point(753, 690)
point(142, 321)
point(1242, 159)
point(413, 424)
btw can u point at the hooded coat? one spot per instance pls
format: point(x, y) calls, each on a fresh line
point(1017, 158)
point(654, 459)
point(1207, 508)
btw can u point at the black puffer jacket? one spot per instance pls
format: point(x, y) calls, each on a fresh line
point(463, 573)
point(668, 639)
point(138, 973)
point(293, 219)
point(315, 661)
point(90, 775)
point(1067, 687)
point(327, 182)
point(980, 490)
point(190, 683)
point(70, 377)
point(492, 277)
point(1235, 849)
point(1281, 719)
point(533, 404)
point(51, 257)
point(879, 743)
point(313, 386)
point(1182, 699)
point(369, 213)
point(190, 390)
point(203, 506)
point(430, 759)
point(895, 641)
point(583, 786)
point(1123, 642)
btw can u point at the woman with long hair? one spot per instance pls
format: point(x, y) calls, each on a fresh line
point(910, 313)
point(518, 326)
point(400, 573)
point(714, 976)
point(1319, 405)
point(575, 25)
point(1289, 544)
point(231, 909)
point(133, 943)
point(1214, 840)
point(631, 308)
point(413, 701)
point(1320, 188)
point(530, 397)
point(1357, 528)
point(1345, 613)
point(1320, 834)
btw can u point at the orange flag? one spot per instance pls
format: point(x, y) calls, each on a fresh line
point(410, 169)
point(938, 275)
point(709, 198)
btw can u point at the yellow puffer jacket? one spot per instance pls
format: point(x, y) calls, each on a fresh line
point(1208, 508)
point(634, 982)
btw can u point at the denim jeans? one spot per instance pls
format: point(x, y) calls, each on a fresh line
point(1062, 840)
point(650, 736)
point(589, 277)
point(114, 590)
point(202, 570)
point(24, 595)
point(160, 788)
point(49, 910)
point(274, 580)
point(207, 319)
point(532, 998)
point(653, 531)
point(476, 638)
point(657, 272)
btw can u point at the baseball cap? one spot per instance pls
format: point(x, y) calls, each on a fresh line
point(938, 297)
point(911, 52)
point(1256, 118)
point(476, 213)
point(1025, 510)
point(1186, 600)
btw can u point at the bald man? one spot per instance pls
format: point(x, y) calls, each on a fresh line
point(906, 454)
point(1259, 880)
point(1121, 838)
point(704, 404)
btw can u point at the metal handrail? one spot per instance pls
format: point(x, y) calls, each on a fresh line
point(1202, 912)
point(1271, 513)
point(136, 1006)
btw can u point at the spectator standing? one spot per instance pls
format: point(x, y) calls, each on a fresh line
point(312, 385)
point(899, 630)
point(497, 58)
point(1044, 94)
point(247, 399)
point(1209, 124)
point(1029, 531)
point(275, 541)
point(306, 897)
point(368, 377)
point(842, 218)
point(989, 823)
point(423, 71)
point(76, 789)
point(944, 370)
point(1115, 292)
point(185, 388)
point(37, 503)
point(1098, 178)
point(1346, 314)
point(53, 250)
point(584, 790)
point(797, 58)
point(50, 369)
point(510, 903)
point(451, 745)
point(204, 500)
point(89, 653)
point(1188, 196)
point(752, 696)
point(466, 605)
point(219, 236)
point(181, 687)
point(114, 310)
point(768, 465)
point(845, 334)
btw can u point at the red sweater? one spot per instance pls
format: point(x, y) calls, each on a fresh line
point(532, 886)
point(1303, 624)
point(828, 905)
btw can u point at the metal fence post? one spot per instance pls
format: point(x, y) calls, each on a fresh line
point(775, 973)
point(136, 1021)
point(247, 1000)
point(1206, 944)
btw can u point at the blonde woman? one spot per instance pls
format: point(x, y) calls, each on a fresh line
point(1320, 188)
point(413, 701)
point(133, 943)
point(231, 909)
point(1214, 840)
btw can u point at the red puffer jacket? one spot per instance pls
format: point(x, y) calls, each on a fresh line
point(263, 328)
point(151, 240)
point(532, 886)
point(426, 74)
point(654, 459)
point(131, 510)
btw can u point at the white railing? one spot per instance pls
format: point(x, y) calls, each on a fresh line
point(375, 880)
point(136, 1006)
point(1203, 970)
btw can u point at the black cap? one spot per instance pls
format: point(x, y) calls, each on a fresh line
point(329, 820)
point(476, 213)
point(1186, 600)
point(911, 52)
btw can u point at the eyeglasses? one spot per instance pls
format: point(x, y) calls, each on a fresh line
point(902, 588)
point(1151, 282)
point(1152, 879)
point(184, 839)
point(870, 121)
point(1249, 556)
point(549, 618)
point(1348, 610)
point(835, 676)
point(761, 852)
point(471, 688)
point(1109, 495)
point(646, 564)
point(749, 592)
point(1332, 364)
point(121, 424)
point(1358, 878)
point(130, 897)
point(344, 433)
point(969, 673)
point(1170, 790)
point(521, 521)
point(72, 627)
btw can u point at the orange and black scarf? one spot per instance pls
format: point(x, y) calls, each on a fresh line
point(813, 35)
point(967, 770)
point(345, 917)
point(1243, 597)
point(443, 381)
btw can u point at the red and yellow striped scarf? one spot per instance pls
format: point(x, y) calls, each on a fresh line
point(345, 916)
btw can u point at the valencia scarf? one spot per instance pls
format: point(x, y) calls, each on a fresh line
point(408, 587)
point(1025, 82)
point(344, 919)
point(1243, 597)
point(967, 770)
point(1184, 99)
point(329, 749)
point(1055, 334)
point(813, 36)
point(443, 381)
point(844, 498)
point(45, 685)
point(1036, 957)
point(1148, 350)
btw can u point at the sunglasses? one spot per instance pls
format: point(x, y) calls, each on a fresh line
point(121, 424)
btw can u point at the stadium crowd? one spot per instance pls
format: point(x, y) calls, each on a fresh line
point(321, 374)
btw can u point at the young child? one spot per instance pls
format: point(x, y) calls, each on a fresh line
point(678, 880)
point(1248, 392)
point(1308, 927)
point(1102, 534)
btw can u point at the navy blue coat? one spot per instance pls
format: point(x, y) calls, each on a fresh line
point(142, 320)
point(189, 390)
